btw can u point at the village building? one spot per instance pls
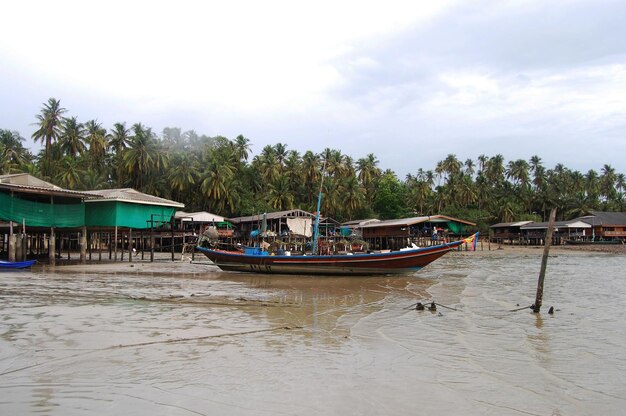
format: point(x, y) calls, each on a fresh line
point(421, 231)
point(508, 232)
point(41, 220)
point(606, 226)
point(534, 233)
point(597, 226)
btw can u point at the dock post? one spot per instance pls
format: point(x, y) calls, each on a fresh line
point(115, 245)
point(11, 242)
point(130, 245)
point(52, 248)
point(83, 245)
point(172, 227)
point(544, 262)
point(18, 244)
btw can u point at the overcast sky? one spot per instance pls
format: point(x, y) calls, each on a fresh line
point(408, 81)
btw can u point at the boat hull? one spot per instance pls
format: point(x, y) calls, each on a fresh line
point(398, 262)
point(16, 264)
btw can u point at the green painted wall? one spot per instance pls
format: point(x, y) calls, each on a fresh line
point(41, 214)
point(92, 214)
point(122, 214)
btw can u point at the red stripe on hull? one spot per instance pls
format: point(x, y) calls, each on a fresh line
point(358, 264)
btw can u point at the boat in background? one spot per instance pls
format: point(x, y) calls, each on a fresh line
point(16, 264)
point(253, 259)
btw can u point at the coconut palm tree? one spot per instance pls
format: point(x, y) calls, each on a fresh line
point(143, 157)
point(470, 167)
point(119, 139)
point(518, 171)
point(242, 147)
point(70, 173)
point(368, 174)
point(280, 153)
point(311, 173)
point(96, 138)
point(607, 182)
point(49, 128)
point(72, 139)
point(352, 195)
point(12, 153)
point(184, 174)
point(279, 195)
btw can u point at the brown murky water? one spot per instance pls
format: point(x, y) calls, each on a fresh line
point(214, 343)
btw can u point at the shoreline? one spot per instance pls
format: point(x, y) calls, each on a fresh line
point(504, 248)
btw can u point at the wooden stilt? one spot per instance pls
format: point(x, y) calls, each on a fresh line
point(544, 262)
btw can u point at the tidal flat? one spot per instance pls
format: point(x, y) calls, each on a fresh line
point(178, 338)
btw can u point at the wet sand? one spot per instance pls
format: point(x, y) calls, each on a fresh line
point(179, 338)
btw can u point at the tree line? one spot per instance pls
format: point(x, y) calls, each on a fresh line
point(220, 175)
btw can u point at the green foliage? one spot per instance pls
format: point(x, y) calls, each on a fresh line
point(390, 199)
point(221, 175)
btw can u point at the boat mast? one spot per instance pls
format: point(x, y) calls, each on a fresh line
point(317, 214)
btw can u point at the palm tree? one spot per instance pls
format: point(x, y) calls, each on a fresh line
point(620, 182)
point(293, 173)
point(470, 167)
point(518, 171)
point(70, 174)
point(49, 123)
point(183, 176)
point(242, 147)
point(280, 196)
point(72, 139)
point(12, 152)
point(495, 169)
point(451, 166)
point(368, 173)
point(352, 194)
point(119, 139)
point(143, 156)
point(607, 182)
point(311, 173)
point(98, 144)
point(214, 185)
point(482, 162)
point(280, 153)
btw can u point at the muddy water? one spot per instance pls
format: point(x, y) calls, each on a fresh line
point(202, 342)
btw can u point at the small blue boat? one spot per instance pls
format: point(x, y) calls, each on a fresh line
point(16, 264)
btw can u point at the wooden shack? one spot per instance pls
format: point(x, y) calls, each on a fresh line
point(421, 231)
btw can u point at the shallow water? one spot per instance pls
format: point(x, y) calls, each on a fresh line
point(215, 343)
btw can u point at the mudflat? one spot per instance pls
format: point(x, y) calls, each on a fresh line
point(179, 338)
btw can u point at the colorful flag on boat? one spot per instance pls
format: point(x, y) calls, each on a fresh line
point(472, 239)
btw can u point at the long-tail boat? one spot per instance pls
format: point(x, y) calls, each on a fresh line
point(397, 262)
point(394, 262)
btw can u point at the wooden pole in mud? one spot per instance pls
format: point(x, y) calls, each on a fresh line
point(544, 262)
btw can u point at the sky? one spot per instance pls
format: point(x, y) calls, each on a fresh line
point(409, 81)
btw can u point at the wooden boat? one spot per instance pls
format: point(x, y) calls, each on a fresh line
point(16, 264)
point(395, 262)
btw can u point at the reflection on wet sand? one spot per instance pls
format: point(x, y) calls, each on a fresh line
point(186, 339)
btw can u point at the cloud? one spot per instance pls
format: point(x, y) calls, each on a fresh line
point(408, 81)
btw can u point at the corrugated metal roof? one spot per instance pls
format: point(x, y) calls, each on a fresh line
point(200, 216)
point(359, 223)
point(132, 196)
point(24, 182)
point(605, 218)
point(557, 224)
point(510, 224)
point(292, 213)
point(406, 222)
